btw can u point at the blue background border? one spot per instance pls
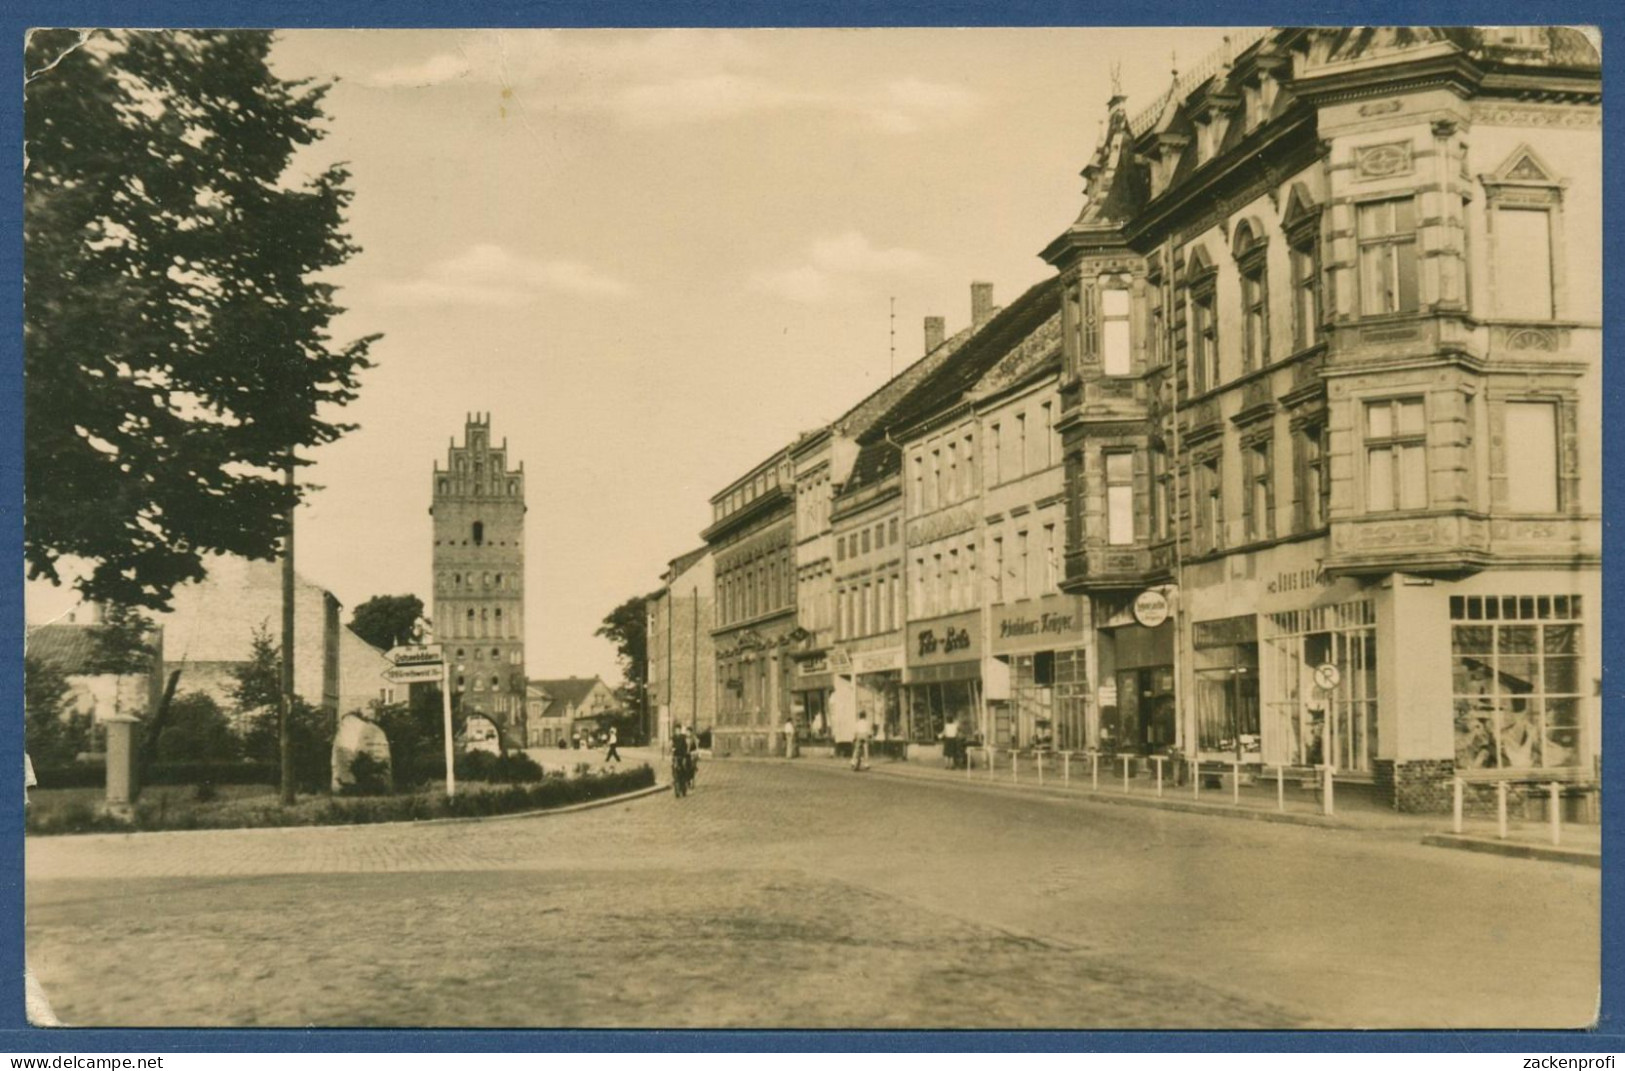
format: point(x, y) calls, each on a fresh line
point(17, 1036)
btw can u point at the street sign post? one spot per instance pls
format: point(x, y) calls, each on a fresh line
point(418, 663)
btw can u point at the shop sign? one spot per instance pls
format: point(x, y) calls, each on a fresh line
point(946, 639)
point(1108, 695)
point(840, 661)
point(1289, 580)
point(1225, 632)
point(818, 663)
point(1151, 608)
point(1047, 624)
point(877, 661)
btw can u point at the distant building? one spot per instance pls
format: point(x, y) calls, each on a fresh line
point(70, 647)
point(479, 571)
point(565, 705)
point(682, 670)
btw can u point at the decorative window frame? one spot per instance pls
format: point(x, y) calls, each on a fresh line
point(1201, 288)
point(1251, 251)
point(1301, 223)
point(1526, 181)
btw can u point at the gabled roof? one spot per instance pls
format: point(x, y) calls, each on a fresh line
point(70, 648)
point(567, 690)
point(684, 562)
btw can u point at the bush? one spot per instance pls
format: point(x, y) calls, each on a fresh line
point(369, 776)
point(94, 774)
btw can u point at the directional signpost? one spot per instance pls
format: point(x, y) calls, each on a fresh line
point(415, 663)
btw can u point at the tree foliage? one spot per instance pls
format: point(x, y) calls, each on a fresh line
point(121, 643)
point(176, 329)
point(387, 620)
point(259, 680)
point(53, 733)
point(627, 627)
point(197, 730)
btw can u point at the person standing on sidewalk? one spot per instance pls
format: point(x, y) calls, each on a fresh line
point(789, 738)
point(613, 754)
point(860, 742)
point(952, 750)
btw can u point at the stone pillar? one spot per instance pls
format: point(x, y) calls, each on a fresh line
point(121, 772)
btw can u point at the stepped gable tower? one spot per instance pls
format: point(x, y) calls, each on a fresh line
point(479, 574)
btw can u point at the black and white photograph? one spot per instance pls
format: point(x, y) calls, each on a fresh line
point(1032, 528)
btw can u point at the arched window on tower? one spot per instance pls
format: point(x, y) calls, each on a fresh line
point(479, 533)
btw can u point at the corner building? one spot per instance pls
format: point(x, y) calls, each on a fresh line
point(479, 570)
point(1332, 345)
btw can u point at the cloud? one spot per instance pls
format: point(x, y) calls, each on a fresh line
point(835, 267)
point(489, 275)
point(436, 70)
point(671, 78)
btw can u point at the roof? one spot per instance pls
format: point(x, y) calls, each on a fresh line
point(684, 562)
point(70, 648)
point(568, 690)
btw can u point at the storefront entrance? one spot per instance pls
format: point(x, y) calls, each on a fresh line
point(1137, 711)
point(1307, 724)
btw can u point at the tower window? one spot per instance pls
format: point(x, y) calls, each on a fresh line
point(479, 533)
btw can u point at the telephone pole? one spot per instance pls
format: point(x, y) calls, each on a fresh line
point(284, 729)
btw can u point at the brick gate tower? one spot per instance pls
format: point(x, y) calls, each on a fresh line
point(479, 577)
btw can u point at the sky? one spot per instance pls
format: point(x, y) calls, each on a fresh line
point(654, 257)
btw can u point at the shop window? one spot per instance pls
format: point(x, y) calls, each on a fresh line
point(1531, 457)
point(1071, 700)
point(1259, 500)
point(1517, 681)
point(1227, 712)
point(1116, 354)
point(930, 706)
point(1303, 723)
point(1387, 238)
point(1119, 498)
point(1396, 455)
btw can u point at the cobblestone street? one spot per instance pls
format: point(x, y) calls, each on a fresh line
point(804, 895)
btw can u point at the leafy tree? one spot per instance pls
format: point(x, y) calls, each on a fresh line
point(259, 680)
point(176, 347)
point(416, 731)
point(386, 620)
point(258, 692)
point(197, 730)
point(53, 732)
point(120, 646)
point(627, 628)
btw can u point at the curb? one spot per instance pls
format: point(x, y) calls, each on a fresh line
point(541, 812)
point(1543, 853)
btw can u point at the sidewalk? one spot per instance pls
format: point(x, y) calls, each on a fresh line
point(1353, 809)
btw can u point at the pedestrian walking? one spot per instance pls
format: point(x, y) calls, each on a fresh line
point(682, 763)
point(614, 753)
point(789, 738)
point(860, 742)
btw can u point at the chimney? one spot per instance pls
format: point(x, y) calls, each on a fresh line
point(935, 330)
point(981, 303)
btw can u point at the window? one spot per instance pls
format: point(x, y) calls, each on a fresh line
point(479, 533)
point(1157, 326)
point(970, 469)
point(1022, 588)
point(952, 494)
point(1048, 409)
point(865, 546)
point(1387, 235)
point(918, 609)
point(1306, 289)
point(1250, 259)
point(892, 534)
point(1259, 501)
point(953, 580)
point(918, 504)
point(1531, 457)
point(1305, 725)
point(997, 436)
point(1162, 494)
point(1119, 498)
point(1114, 331)
point(880, 536)
point(883, 607)
point(933, 489)
point(1516, 679)
point(1315, 489)
point(1209, 504)
point(1523, 262)
point(1204, 343)
point(1021, 444)
point(1051, 561)
point(998, 569)
point(1396, 455)
point(840, 548)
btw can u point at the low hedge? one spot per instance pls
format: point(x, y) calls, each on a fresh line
point(160, 814)
point(94, 774)
point(511, 768)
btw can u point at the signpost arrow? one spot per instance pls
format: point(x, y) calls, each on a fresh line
point(415, 654)
point(412, 674)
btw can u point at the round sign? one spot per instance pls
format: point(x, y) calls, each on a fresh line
point(1151, 608)
point(1328, 676)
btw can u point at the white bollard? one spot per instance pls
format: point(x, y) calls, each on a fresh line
point(1094, 771)
point(1015, 765)
point(1501, 809)
point(1158, 759)
point(1555, 815)
point(1040, 769)
point(1458, 790)
point(992, 762)
point(1066, 768)
point(1196, 778)
point(1235, 783)
point(1280, 788)
point(1126, 760)
point(1329, 807)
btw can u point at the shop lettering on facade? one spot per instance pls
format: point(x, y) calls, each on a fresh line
point(953, 639)
point(1043, 624)
point(1298, 580)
